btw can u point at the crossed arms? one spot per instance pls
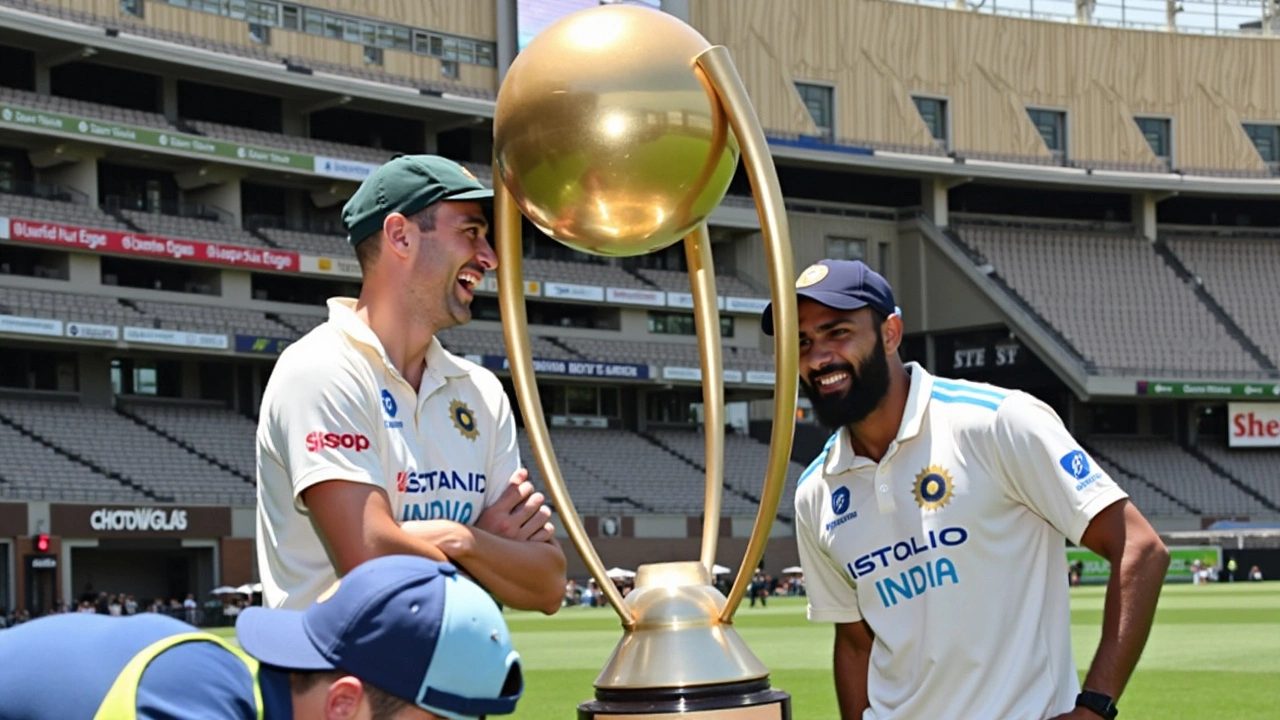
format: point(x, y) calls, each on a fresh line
point(511, 550)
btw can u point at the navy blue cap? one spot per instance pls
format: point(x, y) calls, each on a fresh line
point(843, 285)
point(411, 627)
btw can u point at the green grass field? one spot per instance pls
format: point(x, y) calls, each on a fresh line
point(1214, 653)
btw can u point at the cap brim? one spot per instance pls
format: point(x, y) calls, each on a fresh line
point(471, 195)
point(278, 637)
point(835, 300)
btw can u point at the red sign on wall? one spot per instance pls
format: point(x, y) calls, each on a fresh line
point(112, 241)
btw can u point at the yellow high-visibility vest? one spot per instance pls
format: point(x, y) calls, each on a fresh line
point(121, 702)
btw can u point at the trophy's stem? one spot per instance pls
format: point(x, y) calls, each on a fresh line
point(515, 330)
point(706, 315)
point(718, 66)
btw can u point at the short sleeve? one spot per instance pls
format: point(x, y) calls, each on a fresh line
point(504, 457)
point(195, 681)
point(321, 427)
point(832, 599)
point(1047, 470)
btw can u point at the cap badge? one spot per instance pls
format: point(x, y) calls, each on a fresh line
point(811, 275)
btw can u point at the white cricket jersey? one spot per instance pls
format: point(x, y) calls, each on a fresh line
point(952, 550)
point(337, 409)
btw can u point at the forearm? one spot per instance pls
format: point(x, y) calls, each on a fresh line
point(380, 541)
point(522, 575)
point(851, 681)
point(1132, 593)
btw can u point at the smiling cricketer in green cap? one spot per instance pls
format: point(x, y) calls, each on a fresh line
point(354, 405)
point(406, 185)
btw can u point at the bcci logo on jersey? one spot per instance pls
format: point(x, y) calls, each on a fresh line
point(464, 420)
point(934, 488)
point(1076, 463)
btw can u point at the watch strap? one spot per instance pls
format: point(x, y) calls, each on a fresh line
point(1098, 703)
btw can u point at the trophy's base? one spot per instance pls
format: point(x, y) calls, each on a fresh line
point(753, 700)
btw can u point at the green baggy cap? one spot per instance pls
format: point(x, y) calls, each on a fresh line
point(406, 185)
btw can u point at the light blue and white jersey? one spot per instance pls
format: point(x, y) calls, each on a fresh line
point(952, 550)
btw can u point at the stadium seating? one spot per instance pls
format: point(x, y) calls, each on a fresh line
point(602, 464)
point(1150, 501)
point(33, 471)
point(591, 494)
point(678, 281)
point(1259, 468)
point(217, 131)
point(67, 213)
point(82, 108)
point(1113, 298)
point(672, 354)
point(69, 307)
point(744, 462)
point(1241, 275)
point(188, 228)
point(581, 273)
point(126, 25)
point(292, 143)
point(222, 434)
point(121, 445)
point(309, 242)
point(209, 318)
point(303, 324)
point(1181, 474)
point(470, 341)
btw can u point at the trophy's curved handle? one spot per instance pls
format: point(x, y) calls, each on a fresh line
point(706, 314)
point(718, 66)
point(515, 330)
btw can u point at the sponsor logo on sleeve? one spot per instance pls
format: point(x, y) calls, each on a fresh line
point(1076, 463)
point(840, 508)
point(320, 440)
point(390, 408)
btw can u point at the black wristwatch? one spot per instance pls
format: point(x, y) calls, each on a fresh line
point(1097, 703)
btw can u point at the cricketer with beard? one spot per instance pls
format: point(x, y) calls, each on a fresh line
point(933, 525)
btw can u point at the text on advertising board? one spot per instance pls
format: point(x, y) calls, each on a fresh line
point(46, 233)
point(574, 368)
point(1253, 424)
point(138, 519)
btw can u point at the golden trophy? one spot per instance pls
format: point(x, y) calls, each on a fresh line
point(617, 132)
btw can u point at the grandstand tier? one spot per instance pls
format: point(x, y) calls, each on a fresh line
point(1113, 298)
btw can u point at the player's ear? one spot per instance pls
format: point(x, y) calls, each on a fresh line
point(346, 695)
point(395, 229)
point(891, 331)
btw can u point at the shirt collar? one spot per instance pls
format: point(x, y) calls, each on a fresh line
point(841, 457)
point(342, 313)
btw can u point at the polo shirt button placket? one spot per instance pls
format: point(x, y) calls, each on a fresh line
point(884, 496)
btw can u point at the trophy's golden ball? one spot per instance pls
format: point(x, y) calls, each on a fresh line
point(608, 136)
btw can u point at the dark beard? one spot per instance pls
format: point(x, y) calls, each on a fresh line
point(868, 387)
